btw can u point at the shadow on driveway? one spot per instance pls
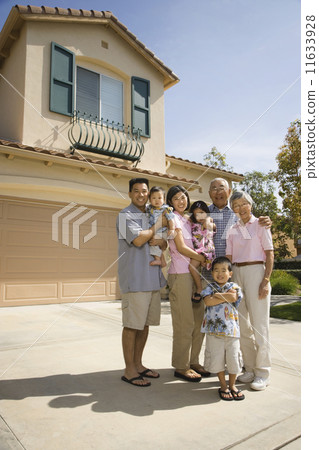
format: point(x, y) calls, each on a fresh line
point(108, 393)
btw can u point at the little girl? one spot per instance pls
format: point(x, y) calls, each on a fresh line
point(203, 230)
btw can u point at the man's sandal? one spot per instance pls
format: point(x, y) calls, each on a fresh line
point(149, 373)
point(201, 371)
point(131, 381)
point(187, 378)
point(196, 298)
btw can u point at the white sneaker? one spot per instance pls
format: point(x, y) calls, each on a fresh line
point(259, 384)
point(246, 377)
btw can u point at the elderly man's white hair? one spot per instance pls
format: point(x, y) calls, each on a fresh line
point(219, 179)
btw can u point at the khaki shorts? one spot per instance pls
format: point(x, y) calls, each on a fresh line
point(140, 309)
point(221, 351)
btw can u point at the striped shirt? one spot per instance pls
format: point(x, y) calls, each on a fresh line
point(224, 219)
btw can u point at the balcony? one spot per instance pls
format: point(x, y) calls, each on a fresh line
point(107, 138)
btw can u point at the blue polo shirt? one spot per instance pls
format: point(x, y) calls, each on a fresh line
point(134, 270)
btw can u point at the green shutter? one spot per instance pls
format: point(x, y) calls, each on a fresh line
point(62, 80)
point(141, 105)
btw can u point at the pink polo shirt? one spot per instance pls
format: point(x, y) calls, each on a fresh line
point(248, 242)
point(180, 263)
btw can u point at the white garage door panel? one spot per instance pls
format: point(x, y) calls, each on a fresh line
point(35, 269)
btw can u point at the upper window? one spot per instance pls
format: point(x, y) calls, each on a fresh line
point(99, 95)
point(96, 94)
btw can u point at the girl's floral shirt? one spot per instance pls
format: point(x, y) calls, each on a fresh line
point(222, 319)
point(202, 238)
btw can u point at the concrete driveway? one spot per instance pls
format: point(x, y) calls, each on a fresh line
point(61, 388)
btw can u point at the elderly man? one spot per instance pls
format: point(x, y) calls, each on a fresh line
point(140, 283)
point(224, 217)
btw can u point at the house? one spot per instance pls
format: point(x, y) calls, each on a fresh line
point(81, 112)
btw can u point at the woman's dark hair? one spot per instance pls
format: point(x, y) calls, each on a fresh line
point(137, 181)
point(222, 260)
point(198, 204)
point(175, 190)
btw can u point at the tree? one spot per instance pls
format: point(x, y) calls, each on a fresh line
point(288, 176)
point(217, 160)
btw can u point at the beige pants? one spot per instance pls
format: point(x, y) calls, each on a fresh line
point(187, 318)
point(140, 309)
point(253, 320)
point(221, 350)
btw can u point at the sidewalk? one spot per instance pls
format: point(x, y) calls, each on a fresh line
point(61, 388)
point(284, 299)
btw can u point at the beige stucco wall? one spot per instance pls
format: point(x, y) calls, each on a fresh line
point(12, 91)
point(38, 179)
point(30, 175)
point(43, 128)
point(198, 173)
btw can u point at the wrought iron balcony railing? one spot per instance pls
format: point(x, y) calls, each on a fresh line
point(108, 138)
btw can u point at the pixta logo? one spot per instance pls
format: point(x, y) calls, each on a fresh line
point(67, 224)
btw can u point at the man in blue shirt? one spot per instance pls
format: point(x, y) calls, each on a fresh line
point(140, 283)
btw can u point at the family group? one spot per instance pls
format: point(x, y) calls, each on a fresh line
point(221, 259)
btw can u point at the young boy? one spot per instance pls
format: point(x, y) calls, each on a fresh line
point(155, 209)
point(221, 326)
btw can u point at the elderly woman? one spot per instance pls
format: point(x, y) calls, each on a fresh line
point(250, 248)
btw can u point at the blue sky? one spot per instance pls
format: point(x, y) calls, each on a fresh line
point(235, 58)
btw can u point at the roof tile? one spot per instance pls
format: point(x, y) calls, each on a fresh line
point(108, 14)
point(62, 11)
point(22, 9)
point(48, 10)
point(74, 12)
point(97, 13)
point(35, 9)
point(204, 165)
point(79, 157)
point(86, 13)
point(83, 13)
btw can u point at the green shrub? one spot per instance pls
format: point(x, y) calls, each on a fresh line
point(283, 283)
point(296, 273)
point(287, 265)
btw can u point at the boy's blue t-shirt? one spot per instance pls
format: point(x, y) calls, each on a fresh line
point(222, 319)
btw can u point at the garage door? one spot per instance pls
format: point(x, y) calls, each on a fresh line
point(56, 253)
